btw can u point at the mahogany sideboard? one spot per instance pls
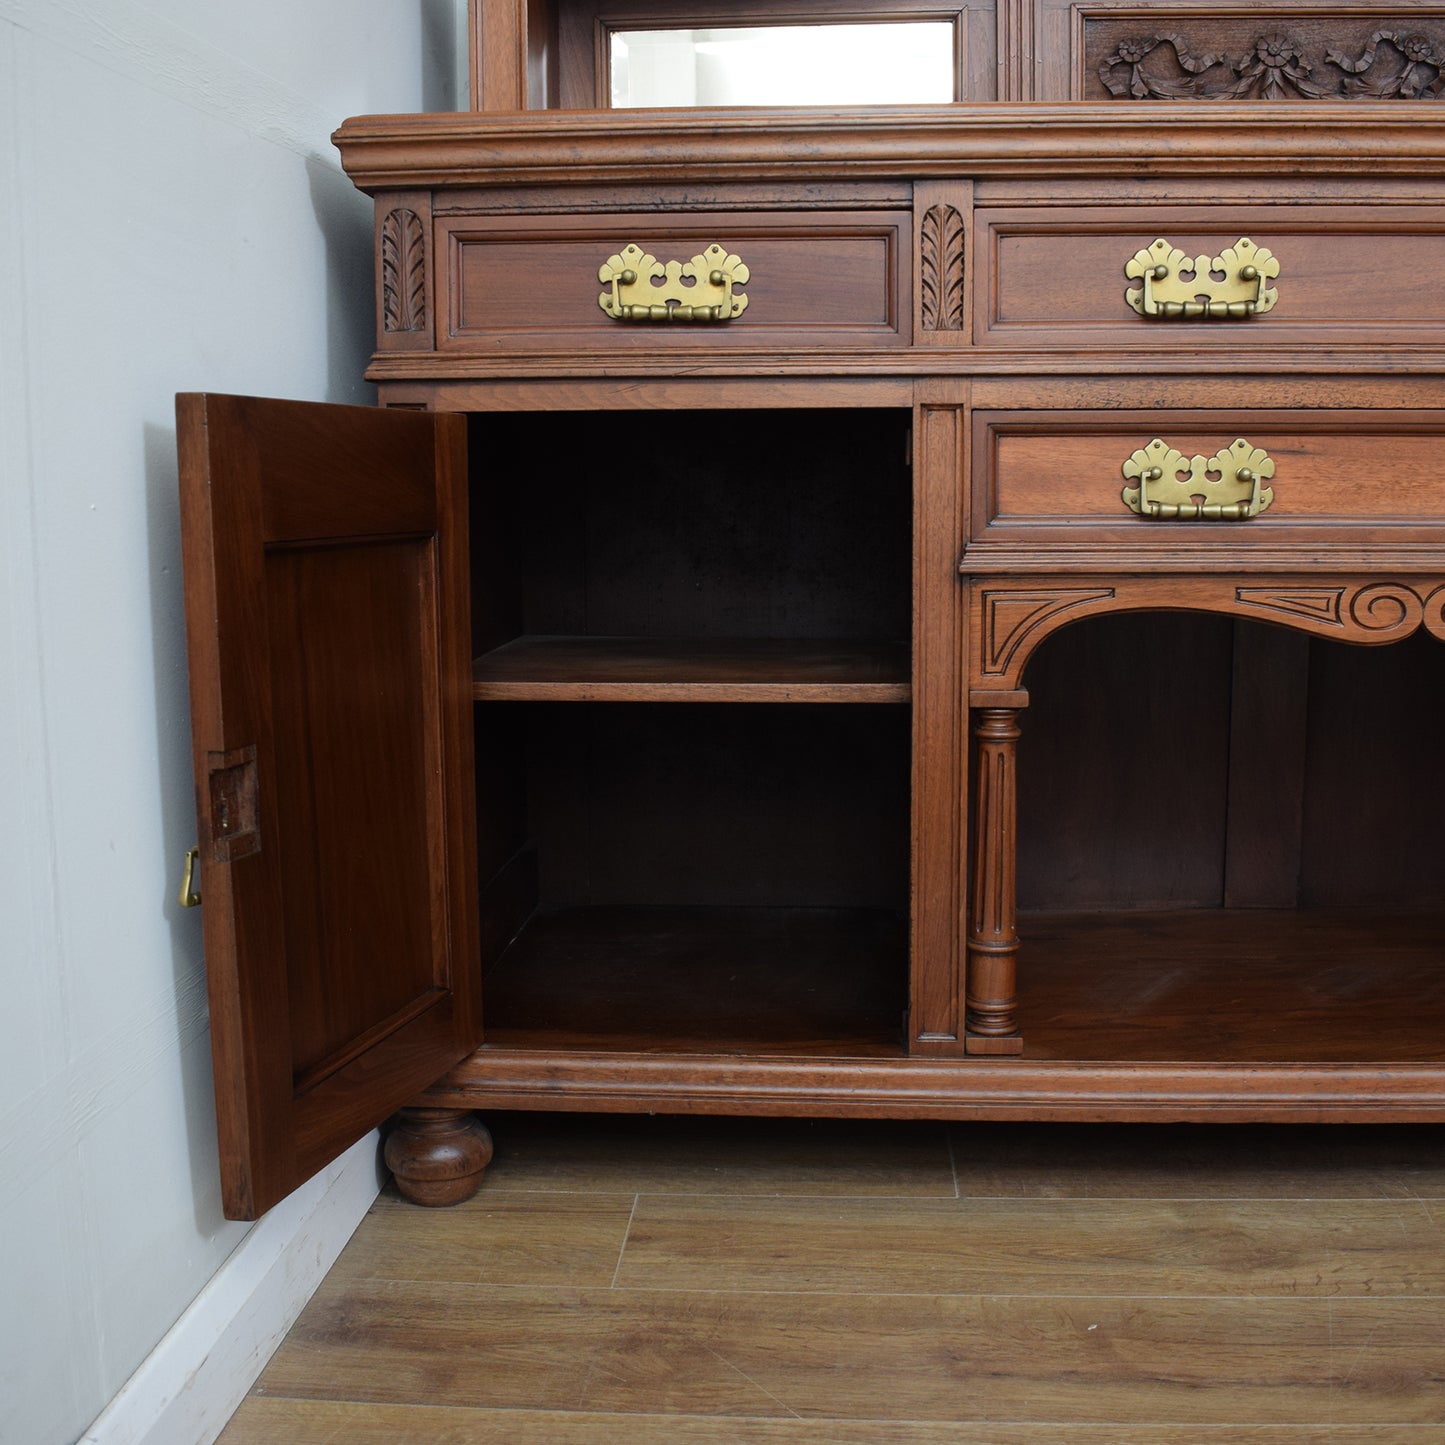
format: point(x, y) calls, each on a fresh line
point(807, 706)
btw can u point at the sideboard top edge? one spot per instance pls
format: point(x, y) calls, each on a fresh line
point(998, 139)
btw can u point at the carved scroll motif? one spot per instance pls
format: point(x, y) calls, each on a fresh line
point(1393, 65)
point(1356, 612)
point(1435, 613)
point(941, 273)
point(403, 272)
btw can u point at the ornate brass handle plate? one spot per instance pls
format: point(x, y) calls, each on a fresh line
point(642, 288)
point(1231, 494)
point(1177, 286)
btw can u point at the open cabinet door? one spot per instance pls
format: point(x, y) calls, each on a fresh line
point(327, 617)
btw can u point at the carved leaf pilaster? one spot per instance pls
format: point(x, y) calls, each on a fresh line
point(941, 269)
point(403, 272)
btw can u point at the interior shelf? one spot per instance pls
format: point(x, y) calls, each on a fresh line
point(650, 669)
point(1196, 986)
point(1234, 986)
point(818, 981)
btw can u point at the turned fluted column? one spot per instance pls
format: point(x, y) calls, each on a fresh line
point(990, 1001)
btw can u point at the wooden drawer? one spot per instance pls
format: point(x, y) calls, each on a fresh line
point(530, 284)
point(1342, 481)
point(1054, 276)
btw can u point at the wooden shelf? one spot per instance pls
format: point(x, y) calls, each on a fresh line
point(1235, 986)
point(1238, 987)
point(751, 980)
point(648, 669)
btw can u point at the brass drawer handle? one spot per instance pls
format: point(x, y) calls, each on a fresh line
point(642, 288)
point(1231, 495)
point(1240, 292)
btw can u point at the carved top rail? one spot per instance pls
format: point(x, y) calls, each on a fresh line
point(1012, 617)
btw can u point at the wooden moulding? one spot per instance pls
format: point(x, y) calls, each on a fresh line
point(977, 1088)
point(1000, 139)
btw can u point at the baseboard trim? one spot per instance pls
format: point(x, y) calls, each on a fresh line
point(189, 1386)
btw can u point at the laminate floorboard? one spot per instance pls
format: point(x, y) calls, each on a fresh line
point(651, 1280)
point(309, 1422)
point(1244, 1248)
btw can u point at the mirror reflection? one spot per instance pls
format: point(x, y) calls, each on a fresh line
point(847, 64)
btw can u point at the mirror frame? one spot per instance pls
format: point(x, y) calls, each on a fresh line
point(553, 54)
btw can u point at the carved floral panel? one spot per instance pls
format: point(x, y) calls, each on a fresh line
point(1182, 56)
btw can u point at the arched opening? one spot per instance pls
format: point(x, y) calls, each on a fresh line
point(1231, 844)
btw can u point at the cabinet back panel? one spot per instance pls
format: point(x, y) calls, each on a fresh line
point(1374, 817)
point(500, 734)
point(1130, 740)
point(695, 524)
point(1123, 764)
point(786, 806)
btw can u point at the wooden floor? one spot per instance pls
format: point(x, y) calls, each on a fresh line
point(652, 1281)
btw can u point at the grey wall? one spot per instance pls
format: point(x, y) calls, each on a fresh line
point(172, 217)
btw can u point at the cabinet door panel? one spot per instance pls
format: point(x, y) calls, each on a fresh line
point(327, 622)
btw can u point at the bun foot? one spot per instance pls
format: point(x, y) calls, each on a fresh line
point(437, 1156)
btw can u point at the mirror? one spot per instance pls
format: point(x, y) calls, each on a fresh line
point(839, 64)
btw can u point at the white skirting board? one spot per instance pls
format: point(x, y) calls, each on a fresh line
point(189, 1386)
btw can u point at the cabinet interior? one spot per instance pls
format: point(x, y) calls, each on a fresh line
point(693, 730)
point(1229, 845)
point(1178, 760)
point(694, 770)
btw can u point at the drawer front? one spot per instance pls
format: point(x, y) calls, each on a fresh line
point(1345, 479)
point(530, 284)
point(1056, 276)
